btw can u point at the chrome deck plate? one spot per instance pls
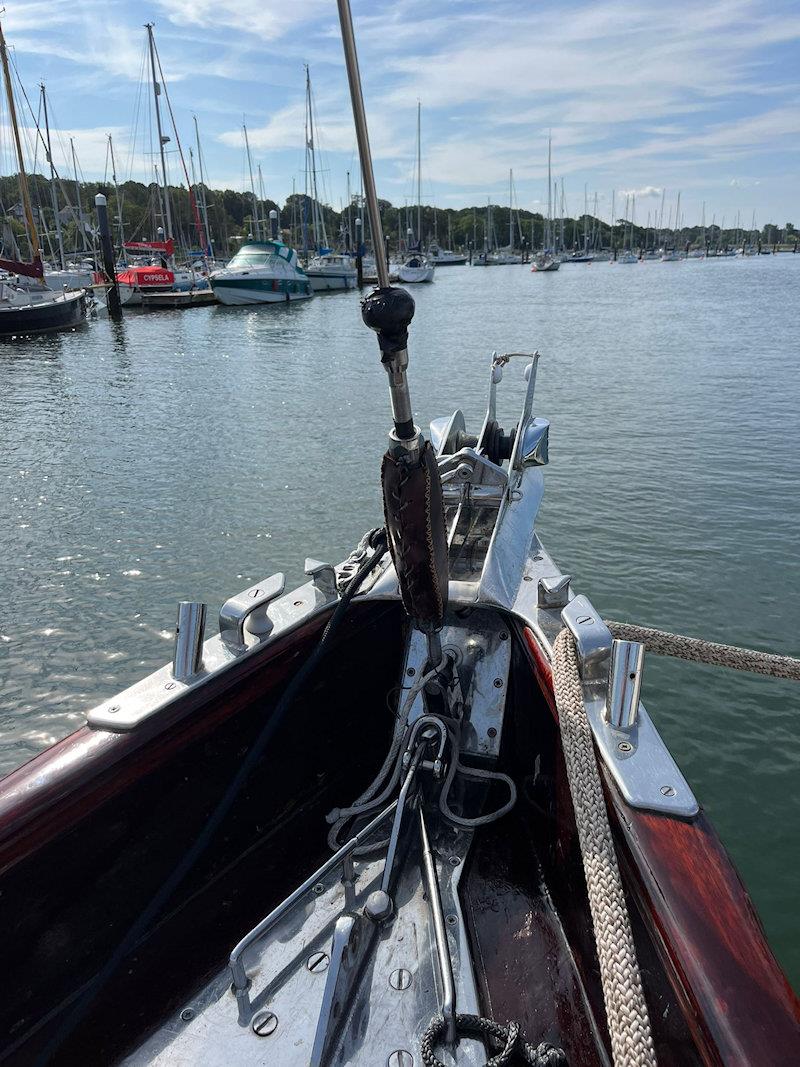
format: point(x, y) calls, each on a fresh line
point(396, 997)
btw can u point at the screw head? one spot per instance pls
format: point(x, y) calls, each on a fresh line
point(318, 962)
point(452, 919)
point(498, 683)
point(454, 861)
point(668, 790)
point(265, 1023)
point(318, 888)
point(170, 685)
point(625, 746)
point(113, 708)
point(400, 979)
point(503, 636)
point(187, 1014)
point(401, 1058)
point(411, 672)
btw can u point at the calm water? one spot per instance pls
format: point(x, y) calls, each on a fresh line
point(186, 455)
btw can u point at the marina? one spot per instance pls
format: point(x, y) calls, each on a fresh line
point(391, 679)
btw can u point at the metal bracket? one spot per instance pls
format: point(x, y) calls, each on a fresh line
point(323, 575)
point(639, 761)
point(553, 591)
point(248, 611)
point(352, 941)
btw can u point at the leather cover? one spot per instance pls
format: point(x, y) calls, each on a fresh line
point(412, 504)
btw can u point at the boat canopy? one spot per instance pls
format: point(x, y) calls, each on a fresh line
point(262, 254)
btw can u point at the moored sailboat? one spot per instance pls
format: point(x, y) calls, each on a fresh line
point(416, 266)
point(31, 308)
point(546, 261)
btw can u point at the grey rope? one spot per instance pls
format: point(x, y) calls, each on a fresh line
point(508, 1041)
point(663, 643)
point(626, 1008)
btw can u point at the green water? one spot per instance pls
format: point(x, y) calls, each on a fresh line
point(184, 455)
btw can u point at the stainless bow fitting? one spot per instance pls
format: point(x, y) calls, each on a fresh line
point(247, 611)
point(631, 747)
point(187, 659)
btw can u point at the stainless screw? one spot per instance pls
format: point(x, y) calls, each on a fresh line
point(400, 979)
point(187, 1014)
point(113, 708)
point(503, 636)
point(454, 861)
point(411, 672)
point(625, 746)
point(401, 1058)
point(668, 790)
point(318, 888)
point(452, 920)
point(498, 683)
point(170, 685)
point(265, 1023)
point(318, 962)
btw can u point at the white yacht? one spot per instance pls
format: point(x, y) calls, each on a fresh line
point(332, 270)
point(416, 267)
point(545, 261)
point(443, 257)
point(261, 272)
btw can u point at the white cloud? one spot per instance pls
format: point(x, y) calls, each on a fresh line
point(647, 191)
point(266, 19)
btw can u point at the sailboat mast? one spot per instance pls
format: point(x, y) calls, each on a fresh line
point(548, 239)
point(161, 140)
point(53, 195)
point(116, 194)
point(203, 201)
point(510, 210)
point(320, 233)
point(78, 194)
point(21, 176)
point(419, 175)
point(256, 219)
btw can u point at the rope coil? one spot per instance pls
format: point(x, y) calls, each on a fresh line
point(507, 1043)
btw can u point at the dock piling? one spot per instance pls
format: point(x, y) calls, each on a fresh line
point(112, 292)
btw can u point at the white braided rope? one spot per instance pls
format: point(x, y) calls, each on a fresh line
point(626, 1008)
point(663, 643)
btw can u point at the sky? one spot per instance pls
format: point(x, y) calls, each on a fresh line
point(640, 97)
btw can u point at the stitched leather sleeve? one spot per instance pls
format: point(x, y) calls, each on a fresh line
point(412, 504)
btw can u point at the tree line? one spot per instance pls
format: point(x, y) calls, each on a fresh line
point(137, 211)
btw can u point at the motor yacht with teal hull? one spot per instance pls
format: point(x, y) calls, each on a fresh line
point(261, 272)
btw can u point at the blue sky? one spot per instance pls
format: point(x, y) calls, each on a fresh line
point(702, 98)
